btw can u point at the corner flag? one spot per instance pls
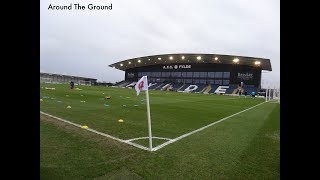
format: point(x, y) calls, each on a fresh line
point(142, 84)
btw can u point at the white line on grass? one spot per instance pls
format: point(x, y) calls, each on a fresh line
point(153, 137)
point(157, 147)
point(97, 132)
point(200, 129)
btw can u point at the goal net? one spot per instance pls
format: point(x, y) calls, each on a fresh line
point(273, 95)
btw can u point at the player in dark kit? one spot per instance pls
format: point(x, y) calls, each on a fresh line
point(71, 85)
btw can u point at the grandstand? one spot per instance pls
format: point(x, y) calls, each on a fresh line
point(59, 78)
point(195, 73)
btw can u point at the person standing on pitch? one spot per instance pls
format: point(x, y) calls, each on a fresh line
point(253, 94)
point(71, 85)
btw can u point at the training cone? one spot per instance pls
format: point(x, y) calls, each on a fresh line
point(120, 120)
point(84, 127)
point(68, 107)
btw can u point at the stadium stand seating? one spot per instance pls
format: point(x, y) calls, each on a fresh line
point(231, 89)
point(165, 87)
point(175, 86)
point(180, 87)
point(130, 85)
point(160, 86)
point(122, 83)
point(153, 85)
point(249, 89)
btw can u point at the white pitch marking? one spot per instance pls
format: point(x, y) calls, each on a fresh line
point(97, 132)
point(200, 129)
point(134, 139)
point(157, 147)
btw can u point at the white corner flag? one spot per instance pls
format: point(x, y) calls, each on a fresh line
point(142, 84)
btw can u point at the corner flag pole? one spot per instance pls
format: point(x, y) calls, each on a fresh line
point(149, 120)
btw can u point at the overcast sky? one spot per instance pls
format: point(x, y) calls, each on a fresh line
point(84, 43)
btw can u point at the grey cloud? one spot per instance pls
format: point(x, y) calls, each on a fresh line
point(84, 43)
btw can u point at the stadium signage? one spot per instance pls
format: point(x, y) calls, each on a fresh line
point(187, 66)
point(245, 76)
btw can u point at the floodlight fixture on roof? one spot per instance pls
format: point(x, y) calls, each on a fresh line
point(257, 63)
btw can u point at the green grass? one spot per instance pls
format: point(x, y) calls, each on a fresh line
point(246, 146)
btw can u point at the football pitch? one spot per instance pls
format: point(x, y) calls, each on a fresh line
point(195, 135)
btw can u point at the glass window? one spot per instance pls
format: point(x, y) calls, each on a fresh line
point(174, 74)
point(188, 80)
point(203, 81)
point(218, 82)
point(178, 74)
point(218, 74)
point(163, 74)
point(139, 74)
point(183, 74)
point(225, 82)
point(196, 74)
point(196, 81)
point(211, 74)
point(154, 74)
point(189, 74)
point(226, 75)
point(203, 74)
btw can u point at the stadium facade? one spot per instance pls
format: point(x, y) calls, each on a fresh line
point(203, 73)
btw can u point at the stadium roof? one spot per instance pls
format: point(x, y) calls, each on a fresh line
point(192, 58)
